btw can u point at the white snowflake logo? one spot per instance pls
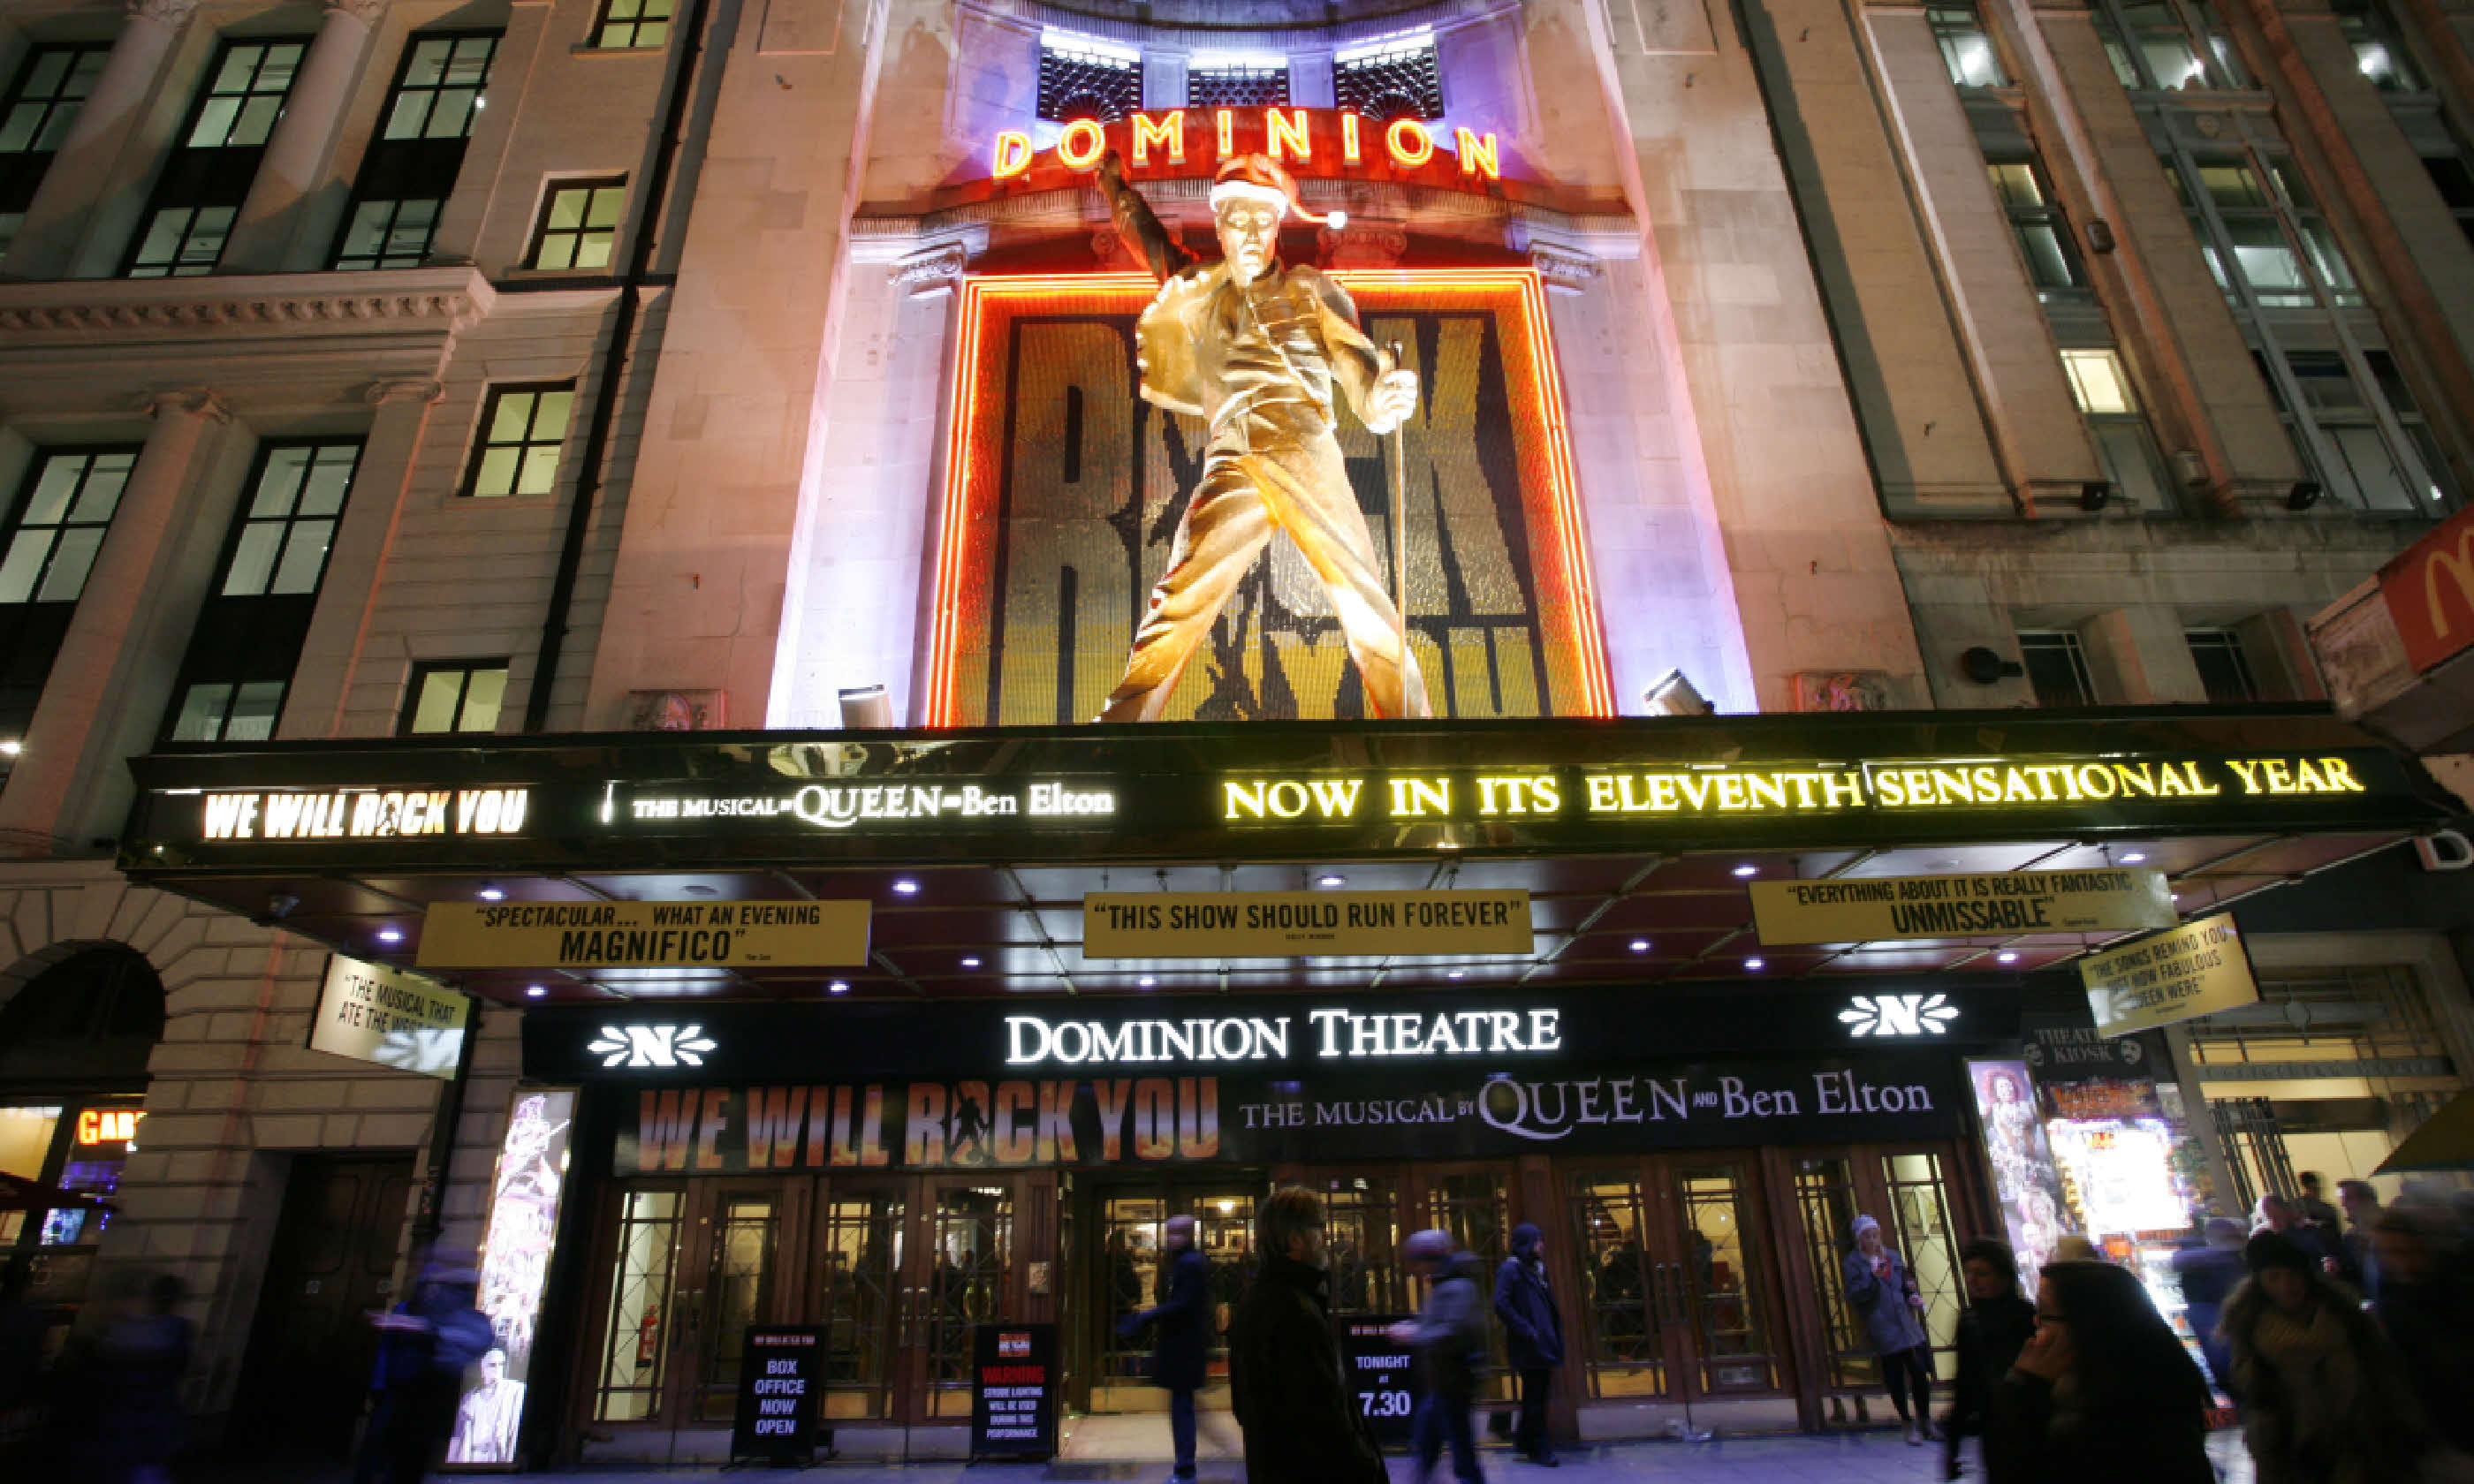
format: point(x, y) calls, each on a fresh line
point(1897, 1015)
point(652, 1046)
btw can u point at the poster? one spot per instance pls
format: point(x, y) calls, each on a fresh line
point(1382, 1372)
point(781, 1370)
point(1870, 909)
point(379, 1014)
point(1013, 1391)
point(1280, 925)
point(644, 934)
point(2025, 1180)
point(516, 1244)
point(2193, 971)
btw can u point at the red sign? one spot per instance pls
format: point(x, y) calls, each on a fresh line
point(106, 1126)
point(2430, 592)
point(1306, 142)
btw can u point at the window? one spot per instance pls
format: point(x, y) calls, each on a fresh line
point(63, 508)
point(460, 695)
point(2124, 444)
point(521, 429)
point(2377, 50)
point(2223, 673)
point(630, 25)
point(2168, 45)
point(250, 632)
point(579, 225)
point(1079, 78)
point(1965, 48)
point(2455, 185)
point(1214, 81)
point(2056, 666)
point(1390, 80)
point(34, 117)
point(207, 177)
point(411, 166)
point(2042, 232)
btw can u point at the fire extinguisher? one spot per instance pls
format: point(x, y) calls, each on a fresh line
point(648, 1338)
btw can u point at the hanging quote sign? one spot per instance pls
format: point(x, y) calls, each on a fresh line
point(2195, 969)
point(1286, 924)
point(379, 1014)
point(644, 934)
point(1877, 908)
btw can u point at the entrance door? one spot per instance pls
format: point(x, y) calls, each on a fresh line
point(311, 1345)
point(1132, 1221)
point(1909, 1189)
point(956, 1273)
point(1680, 1297)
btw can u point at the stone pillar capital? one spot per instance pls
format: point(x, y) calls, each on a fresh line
point(366, 11)
point(195, 401)
point(168, 13)
point(933, 269)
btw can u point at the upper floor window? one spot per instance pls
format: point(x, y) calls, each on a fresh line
point(2056, 666)
point(456, 695)
point(522, 429)
point(1390, 80)
point(2168, 45)
point(42, 102)
point(1080, 78)
point(1218, 80)
point(71, 495)
point(2249, 221)
point(2378, 52)
point(280, 547)
point(2042, 232)
point(205, 179)
point(579, 225)
point(2456, 183)
point(629, 25)
point(1965, 47)
point(2124, 444)
point(2223, 673)
point(411, 167)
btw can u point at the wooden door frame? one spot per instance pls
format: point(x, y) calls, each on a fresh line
point(913, 1391)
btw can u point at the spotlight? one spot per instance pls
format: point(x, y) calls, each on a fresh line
point(866, 709)
point(2133, 857)
point(838, 987)
point(489, 892)
point(1985, 666)
point(907, 887)
point(970, 963)
point(11, 748)
point(1146, 981)
point(1672, 695)
point(1756, 965)
point(1455, 974)
point(1748, 869)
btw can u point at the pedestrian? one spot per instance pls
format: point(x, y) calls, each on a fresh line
point(2208, 1275)
point(1991, 1333)
point(2312, 1206)
point(139, 1362)
point(1532, 1337)
point(2275, 1213)
point(425, 1344)
point(1449, 1333)
point(1886, 1299)
point(2102, 1394)
point(1182, 1310)
point(2426, 1306)
point(2323, 1398)
point(2357, 1263)
point(1295, 1403)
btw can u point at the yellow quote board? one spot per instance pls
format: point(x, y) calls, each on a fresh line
point(1293, 924)
point(2195, 969)
point(644, 934)
point(382, 1014)
point(1867, 909)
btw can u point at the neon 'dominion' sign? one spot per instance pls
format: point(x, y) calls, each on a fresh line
point(1312, 142)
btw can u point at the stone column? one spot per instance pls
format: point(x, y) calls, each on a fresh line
point(80, 169)
point(71, 747)
point(301, 150)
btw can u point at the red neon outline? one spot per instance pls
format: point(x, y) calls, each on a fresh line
point(1582, 620)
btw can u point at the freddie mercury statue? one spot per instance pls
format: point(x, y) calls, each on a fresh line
point(1254, 347)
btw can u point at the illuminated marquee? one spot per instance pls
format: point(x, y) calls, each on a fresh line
point(1335, 1034)
point(366, 814)
point(1307, 143)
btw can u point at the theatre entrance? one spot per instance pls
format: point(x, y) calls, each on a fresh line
point(1116, 1229)
point(895, 1269)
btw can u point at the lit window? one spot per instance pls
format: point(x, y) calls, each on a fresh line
point(2043, 234)
point(2056, 666)
point(2378, 52)
point(2097, 382)
point(460, 695)
point(280, 549)
point(411, 167)
point(2223, 673)
point(579, 225)
point(34, 116)
point(206, 180)
point(2166, 45)
point(245, 96)
point(1965, 48)
point(70, 497)
point(388, 233)
point(439, 94)
point(631, 25)
point(1214, 80)
point(521, 429)
point(226, 711)
point(1390, 80)
point(1080, 78)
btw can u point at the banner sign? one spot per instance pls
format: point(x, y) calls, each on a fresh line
point(1285, 925)
point(1382, 1372)
point(1867, 909)
point(2195, 970)
point(1366, 1113)
point(644, 934)
point(522, 1226)
point(1013, 1391)
point(2082, 1073)
point(2025, 1180)
point(780, 1371)
point(379, 1014)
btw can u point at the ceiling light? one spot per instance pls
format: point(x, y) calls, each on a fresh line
point(838, 987)
point(1748, 869)
point(390, 935)
point(535, 991)
point(2133, 857)
point(1146, 981)
point(489, 892)
point(1756, 964)
point(2005, 956)
point(1640, 944)
point(970, 963)
point(907, 887)
point(1455, 974)
point(1332, 878)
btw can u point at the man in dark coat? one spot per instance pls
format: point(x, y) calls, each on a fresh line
point(1996, 1327)
point(1450, 1336)
point(1293, 1402)
point(1532, 1337)
point(1184, 1346)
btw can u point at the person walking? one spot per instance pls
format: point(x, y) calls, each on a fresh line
point(1449, 1333)
point(2102, 1394)
point(1532, 1337)
point(1180, 1352)
point(425, 1344)
point(1991, 1333)
point(1293, 1402)
point(2208, 1274)
point(2323, 1400)
point(2275, 1213)
point(2357, 1259)
point(2426, 1305)
point(1886, 1299)
point(139, 1363)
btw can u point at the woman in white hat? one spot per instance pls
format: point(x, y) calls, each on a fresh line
point(1885, 1297)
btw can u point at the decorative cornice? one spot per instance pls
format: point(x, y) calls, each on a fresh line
point(170, 12)
point(378, 393)
point(201, 401)
point(414, 300)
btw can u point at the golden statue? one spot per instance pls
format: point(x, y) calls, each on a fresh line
point(1254, 347)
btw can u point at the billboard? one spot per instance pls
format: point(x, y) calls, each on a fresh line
point(1064, 489)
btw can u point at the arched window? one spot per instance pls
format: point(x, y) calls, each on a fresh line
point(90, 1019)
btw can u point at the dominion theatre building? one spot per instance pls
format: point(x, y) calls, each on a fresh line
point(561, 557)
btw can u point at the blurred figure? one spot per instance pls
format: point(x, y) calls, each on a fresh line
point(425, 1344)
point(1183, 1347)
point(1885, 1297)
point(1450, 1336)
point(2357, 1264)
point(2312, 1206)
point(1532, 1337)
point(2208, 1275)
point(2426, 1305)
point(1297, 1407)
point(2323, 1400)
point(2275, 1213)
point(2075, 1247)
point(1996, 1327)
point(2103, 1394)
point(135, 1381)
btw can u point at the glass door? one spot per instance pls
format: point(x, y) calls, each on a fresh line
point(1133, 1221)
point(860, 1236)
point(690, 1265)
point(1907, 1188)
point(957, 1275)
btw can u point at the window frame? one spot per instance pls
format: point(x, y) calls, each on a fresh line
point(1941, 19)
point(421, 169)
point(2226, 643)
point(197, 178)
point(2068, 643)
point(417, 679)
point(592, 185)
point(491, 395)
point(2222, 69)
point(23, 498)
point(604, 21)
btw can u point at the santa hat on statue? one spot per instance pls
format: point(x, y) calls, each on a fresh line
point(1258, 178)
